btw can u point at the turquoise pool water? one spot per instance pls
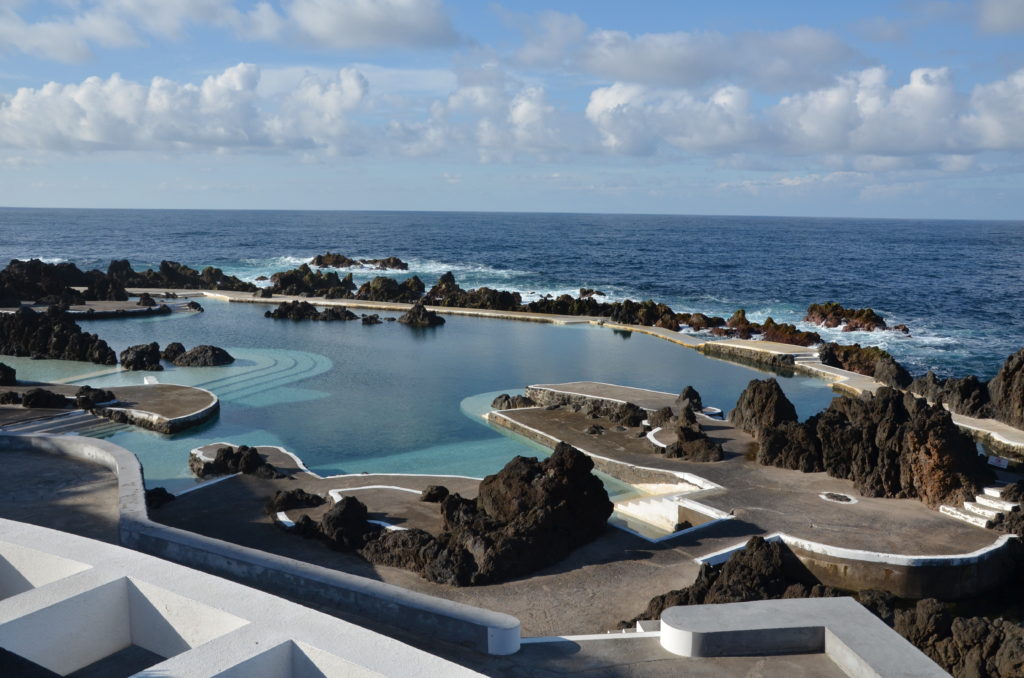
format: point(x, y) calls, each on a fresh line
point(387, 398)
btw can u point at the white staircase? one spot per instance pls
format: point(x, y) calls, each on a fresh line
point(986, 508)
point(660, 511)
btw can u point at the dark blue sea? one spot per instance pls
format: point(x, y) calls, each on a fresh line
point(959, 285)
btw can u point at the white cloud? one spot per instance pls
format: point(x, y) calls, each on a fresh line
point(336, 24)
point(346, 24)
point(798, 56)
point(224, 111)
point(996, 120)
point(634, 119)
point(1001, 16)
point(551, 39)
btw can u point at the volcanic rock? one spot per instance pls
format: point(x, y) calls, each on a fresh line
point(304, 281)
point(142, 357)
point(372, 319)
point(8, 376)
point(51, 335)
point(158, 497)
point(287, 500)
point(507, 402)
point(870, 361)
point(691, 442)
point(383, 288)
point(227, 460)
point(41, 398)
point(173, 351)
point(204, 356)
point(345, 527)
point(434, 494)
point(689, 397)
point(627, 414)
point(172, 274)
point(10, 398)
point(661, 418)
point(762, 406)
point(1006, 391)
point(785, 333)
point(419, 316)
point(448, 293)
point(831, 314)
point(194, 306)
point(87, 397)
point(145, 300)
point(303, 310)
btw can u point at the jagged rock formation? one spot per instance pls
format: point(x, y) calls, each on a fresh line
point(371, 319)
point(761, 571)
point(227, 460)
point(967, 647)
point(383, 288)
point(41, 398)
point(788, 334)
point(173, 351)
point(689, 398)
point(142, 357)
point(10, 398)
point(419, 316)
point(304, 281)
point(8, 375)
point(335, 260)
point(145, 300)
point(1006, 391)
point(890, 444)
point(831, 314)
point(204, 355)
point(507, 402)
point(51, 335)
point(691, 442)
point(448, 293)
point(529, 515)
point(869, 361)
point(287, 500)
point(40, 282)
point(762, 405)
point(1002, 398)
point(87, 397)
point(434, 494)
point(303, 310)
point(174, 275)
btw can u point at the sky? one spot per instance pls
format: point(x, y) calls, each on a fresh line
point(905, 108)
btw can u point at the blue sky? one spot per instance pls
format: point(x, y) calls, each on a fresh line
point(909, 108)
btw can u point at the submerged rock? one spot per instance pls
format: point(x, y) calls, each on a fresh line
point(204, 356)
point(145, 357)
point(420, 316)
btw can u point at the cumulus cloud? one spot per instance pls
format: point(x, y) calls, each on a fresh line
point(1001, 16)
point(223, 111)
point(796, 57)
point(635, 119)
point(336, 24)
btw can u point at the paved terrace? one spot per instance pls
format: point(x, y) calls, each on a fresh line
point(764, 499)
point(159, 402)
point(582, 594)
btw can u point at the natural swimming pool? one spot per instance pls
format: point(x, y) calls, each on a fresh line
point(348, 397)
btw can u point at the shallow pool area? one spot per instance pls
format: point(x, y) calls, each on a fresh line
point(387, 398)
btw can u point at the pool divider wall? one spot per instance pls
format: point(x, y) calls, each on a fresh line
point(420, 614)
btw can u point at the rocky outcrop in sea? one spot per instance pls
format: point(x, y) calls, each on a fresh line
point(305, 282)
point(142, 357)
point(830, 314)
point(869, 361)
point(383, 288)
point(303, 310)
point(1002, 398)
point(335, 260)
point(228, 460)
point(420, 316)
point(204, 355)
point(174, 275)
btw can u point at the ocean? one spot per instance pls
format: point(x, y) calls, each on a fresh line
point(958, 285)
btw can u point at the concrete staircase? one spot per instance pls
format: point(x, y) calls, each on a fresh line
point(659, 511)
point(987, 507)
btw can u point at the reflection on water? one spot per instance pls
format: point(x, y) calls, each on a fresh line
point(388, 398)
